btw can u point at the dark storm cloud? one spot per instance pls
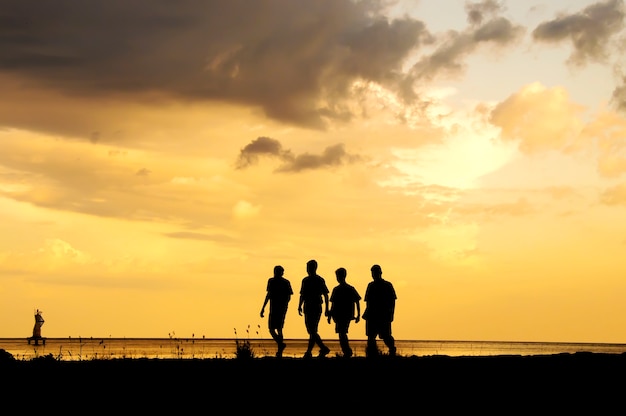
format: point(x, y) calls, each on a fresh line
point(264, 146)
point(332, 156)
point(285, 56)
point(486, 28)
point(589, 31)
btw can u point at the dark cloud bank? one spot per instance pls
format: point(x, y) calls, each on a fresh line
point(294, 59)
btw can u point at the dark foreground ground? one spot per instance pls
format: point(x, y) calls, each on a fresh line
point(584, 383)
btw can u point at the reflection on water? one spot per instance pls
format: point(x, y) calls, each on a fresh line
point(189, 348)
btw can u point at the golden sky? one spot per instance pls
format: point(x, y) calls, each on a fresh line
point(158, 159)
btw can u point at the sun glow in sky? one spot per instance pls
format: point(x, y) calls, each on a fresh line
point(153, 175)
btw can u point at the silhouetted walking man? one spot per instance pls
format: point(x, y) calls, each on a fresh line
point(313, 293)
point(344, 301)
point(380, 299)
point(278, 295)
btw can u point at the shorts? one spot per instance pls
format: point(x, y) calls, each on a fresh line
point(312, 316)
point(380, 329)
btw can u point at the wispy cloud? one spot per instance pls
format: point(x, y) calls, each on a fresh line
point(332, 156)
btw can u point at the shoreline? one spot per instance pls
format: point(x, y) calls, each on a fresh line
point(88, 348)
point(533, 383)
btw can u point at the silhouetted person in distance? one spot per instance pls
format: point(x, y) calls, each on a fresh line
point(38, 324)
point(37, 329)
point(278, 295)
point(344, 302)
point(380, 299)
point(313, 293)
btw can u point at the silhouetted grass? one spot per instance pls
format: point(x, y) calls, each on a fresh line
point(244, 350)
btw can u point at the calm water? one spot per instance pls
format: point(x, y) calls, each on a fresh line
point(109, 348)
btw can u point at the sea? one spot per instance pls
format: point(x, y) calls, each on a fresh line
point(77, 349)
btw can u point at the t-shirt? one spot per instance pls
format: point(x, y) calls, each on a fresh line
point(343, 299)
point(279, 290)
point(313, 287)
point(380, 298)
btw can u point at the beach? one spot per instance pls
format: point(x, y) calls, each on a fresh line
point(538, 384)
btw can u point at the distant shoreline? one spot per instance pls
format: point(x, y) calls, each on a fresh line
point(95, 348)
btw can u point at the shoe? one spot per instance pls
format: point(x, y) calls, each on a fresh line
point(347, 354)
point(392, 352)
point(281, 348)
point(308, 354)
point(324, 352)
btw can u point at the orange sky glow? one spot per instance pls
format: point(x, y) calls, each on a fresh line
point(157, 160)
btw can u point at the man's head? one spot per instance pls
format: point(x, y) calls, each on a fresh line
point(278, 271)
point(311, 266)
point(377, 272)
point(341, 274)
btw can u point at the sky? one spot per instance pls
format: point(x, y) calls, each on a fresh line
point(158, 159)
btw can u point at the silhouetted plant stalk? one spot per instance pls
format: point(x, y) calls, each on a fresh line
point(178, 350)
point(244, 349)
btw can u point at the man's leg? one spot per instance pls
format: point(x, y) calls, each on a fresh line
point(345, 345)
point(280, 341)
point(388, 339)
point(324, 350)
point(371, 349)
point(371, 330)
point(310, 330)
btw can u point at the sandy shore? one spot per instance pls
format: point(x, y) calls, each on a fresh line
point(542, 384)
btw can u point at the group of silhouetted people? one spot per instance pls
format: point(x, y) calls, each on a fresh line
point(342, 306)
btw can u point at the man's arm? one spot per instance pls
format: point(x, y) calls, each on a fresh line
point(267, 298)
point(393, 301)
point(326, 303)
point(330, 314)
